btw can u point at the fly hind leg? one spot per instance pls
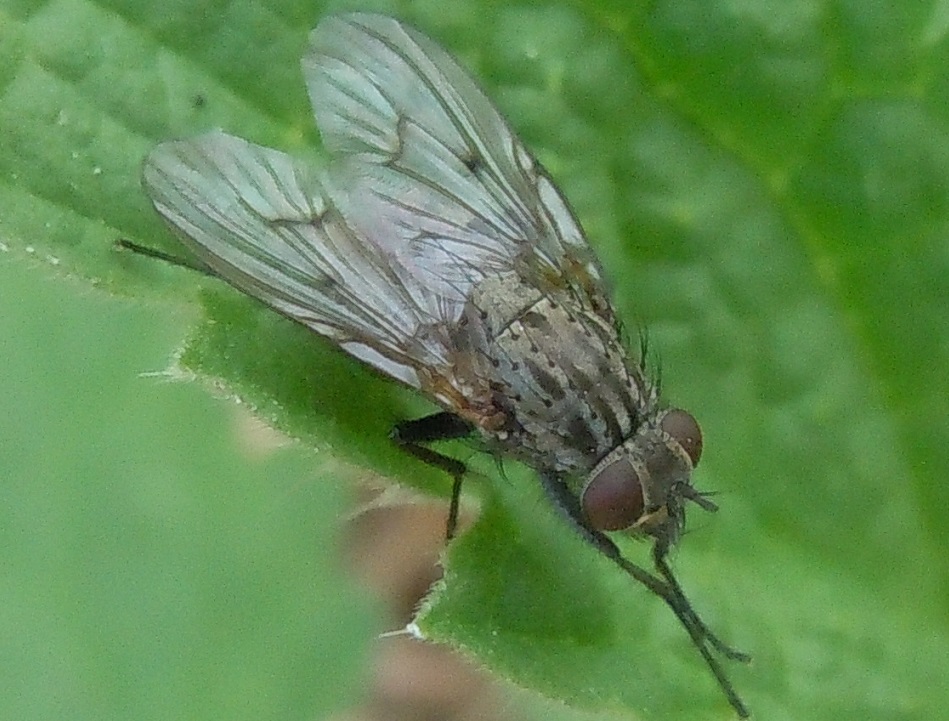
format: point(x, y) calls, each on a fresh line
point(181, 262)
point(413, 437)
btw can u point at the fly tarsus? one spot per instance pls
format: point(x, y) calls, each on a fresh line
point(413, 437)
point(702, 636)
point(676, 592)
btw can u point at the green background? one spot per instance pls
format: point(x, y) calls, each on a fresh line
point(768, 187)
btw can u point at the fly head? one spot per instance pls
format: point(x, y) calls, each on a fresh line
point(641, 485)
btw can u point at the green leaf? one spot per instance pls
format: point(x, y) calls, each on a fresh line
point(768, 185)
point(153, 568)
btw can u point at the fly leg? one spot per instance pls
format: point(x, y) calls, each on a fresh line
point(702, 637)
point(164, 257)
point(411, 437)
point(666, 587)
point(659, 557)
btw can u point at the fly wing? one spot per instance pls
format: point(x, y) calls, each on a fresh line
point(264, 222)
point(429, 194)
point(417, 136)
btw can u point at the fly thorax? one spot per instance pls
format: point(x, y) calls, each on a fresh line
point(559, 369)
point(641, 485)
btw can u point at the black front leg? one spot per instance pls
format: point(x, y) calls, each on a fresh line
point(411, 436)
point(666, 586)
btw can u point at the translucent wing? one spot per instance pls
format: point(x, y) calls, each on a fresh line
point(264, 222)
point(391, 100)
point(429, 194)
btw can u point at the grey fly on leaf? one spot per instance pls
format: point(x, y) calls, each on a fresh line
point(436, 250)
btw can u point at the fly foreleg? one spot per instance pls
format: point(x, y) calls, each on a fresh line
point(659, 556)
point(666, 586)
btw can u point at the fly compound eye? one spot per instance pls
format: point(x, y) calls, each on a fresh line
point(685, 430)
point(613, 497)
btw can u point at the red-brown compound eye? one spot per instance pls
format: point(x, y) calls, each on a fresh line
point(685, 430)
point(613, 499)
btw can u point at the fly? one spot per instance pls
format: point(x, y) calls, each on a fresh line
point(435, 249)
